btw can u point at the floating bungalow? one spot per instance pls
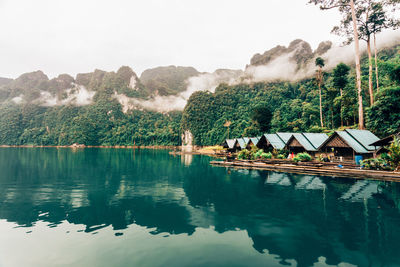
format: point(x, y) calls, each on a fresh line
point(347, 144)
point(254, 141)
point(276, 141)
point(230, 145)
point(246, 142)
point(306, 142)
point(380, 145)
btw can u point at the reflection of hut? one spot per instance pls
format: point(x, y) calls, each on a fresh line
point(306, 142)
point(269, 142)
point(230, 145)
point(349, 143)
point(383, 143)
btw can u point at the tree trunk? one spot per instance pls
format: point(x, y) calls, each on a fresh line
point(376, 64)
point(358, 68)
point(370, 86)
point(320, 97)
point(341, 107)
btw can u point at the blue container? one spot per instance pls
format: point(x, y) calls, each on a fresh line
point(358, 159)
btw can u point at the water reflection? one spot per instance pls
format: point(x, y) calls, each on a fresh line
point(298, 218)
point(187, 159)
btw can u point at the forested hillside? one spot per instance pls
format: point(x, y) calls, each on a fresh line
point(294, 106)
point(87, 110)
point(103, 108)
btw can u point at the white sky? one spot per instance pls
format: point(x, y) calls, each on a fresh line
point(73, 36)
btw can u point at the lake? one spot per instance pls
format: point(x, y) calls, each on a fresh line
point(125, 207)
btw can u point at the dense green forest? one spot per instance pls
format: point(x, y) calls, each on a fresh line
point(35, 121)
point(252, 108)
point(294, 107)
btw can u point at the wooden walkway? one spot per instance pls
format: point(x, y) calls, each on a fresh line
point(315, 170)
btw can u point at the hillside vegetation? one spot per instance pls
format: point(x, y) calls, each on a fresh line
point(90, 109)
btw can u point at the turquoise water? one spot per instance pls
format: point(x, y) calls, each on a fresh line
point(121, 207)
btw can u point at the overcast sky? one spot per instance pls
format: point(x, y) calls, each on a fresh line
point(73, 36)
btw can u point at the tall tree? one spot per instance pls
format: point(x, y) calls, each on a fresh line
point(347, 7)
point(380, 20)
point(320, 63)
point(340, 80)
point(262, 115)
point(371, 18)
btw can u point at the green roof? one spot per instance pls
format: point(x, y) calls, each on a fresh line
point(284, 136)
point(364, 137)
point(275, 141)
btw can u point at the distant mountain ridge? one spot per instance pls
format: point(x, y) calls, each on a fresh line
point(300, 52)
point(167, 80)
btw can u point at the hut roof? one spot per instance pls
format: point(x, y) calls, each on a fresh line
point(230, 143)
point(284, 136)
point(364, 137)
point(316, 139)
point(275, 141)
point(255, 140)
point(385, 141)
point(310, 141)
point(242, 143)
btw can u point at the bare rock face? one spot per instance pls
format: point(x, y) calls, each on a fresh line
point(5, 81)
point(323, 47)
point(268, 56)
point(62, 82)
point(92, 79)
point(31, 79)
point(300, 52)
point(187, 141)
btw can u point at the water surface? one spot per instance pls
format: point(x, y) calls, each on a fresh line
point(122, 207)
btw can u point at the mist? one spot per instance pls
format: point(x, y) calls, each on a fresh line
point(283, 68)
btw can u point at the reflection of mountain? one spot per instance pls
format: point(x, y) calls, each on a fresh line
point(293, 216)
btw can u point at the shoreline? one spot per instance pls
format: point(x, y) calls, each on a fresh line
point(83, 146)
point(321, 170)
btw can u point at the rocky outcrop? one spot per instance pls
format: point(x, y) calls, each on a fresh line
point(298, 51)
point(168, 80)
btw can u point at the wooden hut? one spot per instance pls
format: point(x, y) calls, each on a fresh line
point(230, 145)
point(241, 144)
point(345, 145)
point(268, 142)
point(246, 142)
point(382, 144)
point(306, 142)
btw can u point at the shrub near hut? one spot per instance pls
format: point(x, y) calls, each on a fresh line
point(394, 154)
point(303, 157)
point(390, 161)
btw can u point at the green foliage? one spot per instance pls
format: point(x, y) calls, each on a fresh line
point(266, 155)
point(280, 156)
point(258, 153)
point(302, 157)
point(244, 154)
point(375, 164)
point(394, 154)
point(384, 116)
point(262, 115)
point(340, 76)
point(319, 62)
point(395, 74)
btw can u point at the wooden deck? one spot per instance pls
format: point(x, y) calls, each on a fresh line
point(313, 168)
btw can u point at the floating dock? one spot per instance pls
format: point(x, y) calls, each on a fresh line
point(315, 169)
